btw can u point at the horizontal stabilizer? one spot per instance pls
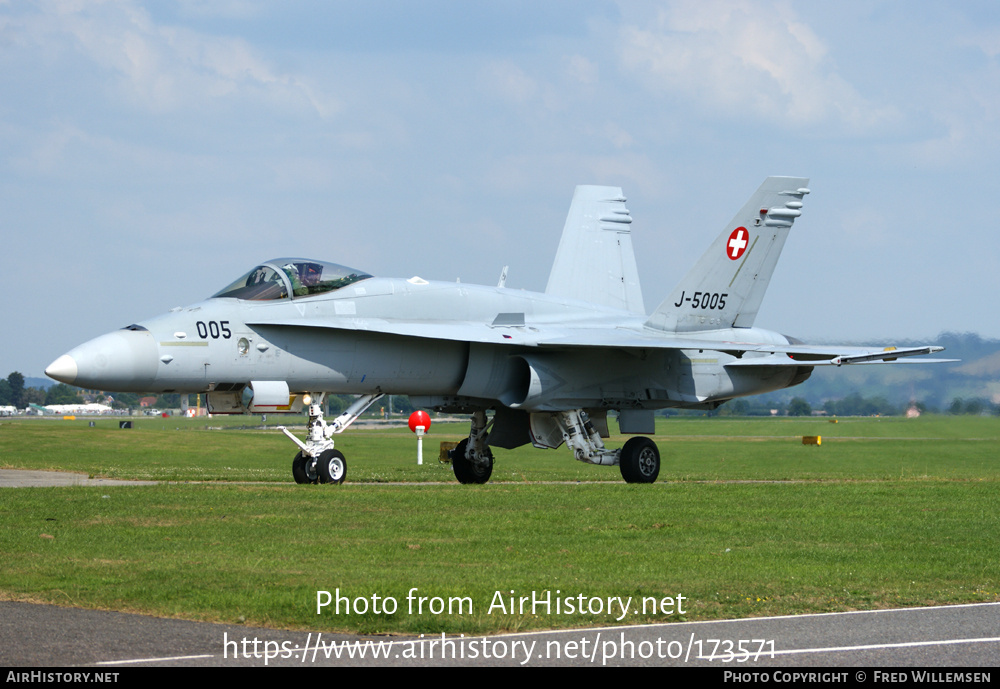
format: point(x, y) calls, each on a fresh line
point(890, 354)
point(816, 355)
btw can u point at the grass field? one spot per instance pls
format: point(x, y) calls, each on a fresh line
point(745, 520)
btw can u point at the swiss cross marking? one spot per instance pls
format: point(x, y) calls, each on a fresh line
point(737, 243)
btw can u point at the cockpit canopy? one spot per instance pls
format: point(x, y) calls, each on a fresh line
point(299, 277)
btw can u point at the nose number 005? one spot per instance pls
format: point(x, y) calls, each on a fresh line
point(214, 329)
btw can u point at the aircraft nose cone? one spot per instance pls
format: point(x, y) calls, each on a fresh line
point(121, 361)
point(63, 369)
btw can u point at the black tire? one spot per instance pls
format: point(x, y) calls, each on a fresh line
point(301, 469)
point(331, 467)
point(466, 471)
point(640, 460)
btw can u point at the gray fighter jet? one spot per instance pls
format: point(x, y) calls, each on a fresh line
point(528, 367)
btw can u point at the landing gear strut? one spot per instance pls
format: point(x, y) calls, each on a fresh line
point(318, 461)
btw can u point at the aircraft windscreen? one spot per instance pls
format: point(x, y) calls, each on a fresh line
point(263, 283)
point(299, 277)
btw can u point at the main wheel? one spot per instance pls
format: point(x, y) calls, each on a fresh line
point(467, 471)
point(640, 460)
point(303, 469)
point(331, 467)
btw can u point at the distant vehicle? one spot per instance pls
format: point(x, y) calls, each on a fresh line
point(540, 368)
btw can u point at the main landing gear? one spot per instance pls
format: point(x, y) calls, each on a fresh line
point(472, 459)
point(638, 460)
point(318, 461)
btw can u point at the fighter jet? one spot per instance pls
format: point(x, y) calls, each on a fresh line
point(528, 367)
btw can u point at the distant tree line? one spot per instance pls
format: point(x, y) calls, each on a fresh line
point(13, 393)
point(853, 404)
point(976, 406)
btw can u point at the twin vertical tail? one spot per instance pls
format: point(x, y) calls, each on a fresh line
point(595, 261)
point(726, 286)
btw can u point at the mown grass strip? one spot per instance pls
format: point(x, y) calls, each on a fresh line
point(259, 554)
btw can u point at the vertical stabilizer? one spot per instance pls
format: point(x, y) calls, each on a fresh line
point(726, 286)
point(595, 261)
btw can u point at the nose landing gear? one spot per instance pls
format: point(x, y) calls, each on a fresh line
point(318, 461)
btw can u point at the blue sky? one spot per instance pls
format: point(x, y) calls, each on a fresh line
point(151, 152)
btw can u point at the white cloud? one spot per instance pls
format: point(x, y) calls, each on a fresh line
point(509, 82)
point(230, 9)
point(745, 58)
point(986, 39)
point(582, 70)
point(165, 68)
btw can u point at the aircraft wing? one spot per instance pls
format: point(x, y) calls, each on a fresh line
point(776, 354)
point(510, 332)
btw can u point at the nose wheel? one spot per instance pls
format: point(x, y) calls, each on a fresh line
point(304, 469)
point(331, 467)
